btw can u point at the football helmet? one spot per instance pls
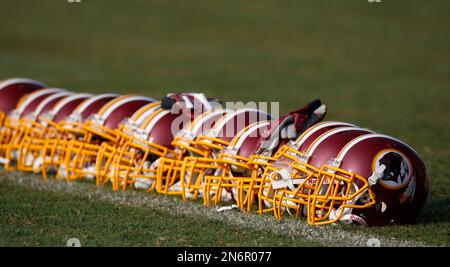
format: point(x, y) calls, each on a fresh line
point(30, 126)
point(69, 127)
point(80, 158)
point(230, 170)
point(108, 150)
point(269, 182)
point(251, 151)
point(168, 172)
point(136, 161)
point(44, 128)
point(12, 90)
point(351, 175)
point(194, 169)
point(11, 133)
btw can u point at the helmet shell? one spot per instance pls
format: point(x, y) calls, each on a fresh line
point(401, 190)
point(12, 90)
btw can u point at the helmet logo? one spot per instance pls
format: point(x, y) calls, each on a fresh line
point(394, 168)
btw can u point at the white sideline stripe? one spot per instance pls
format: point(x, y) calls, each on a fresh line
point(35, 95)
point(249, 131)
point(49, 99)
point(326, 235)
point(81, 108)
point(229, 116)
point(329, 133)
point(67, 100)
point(321, 126)
point(199, 123)
point(146, 114)
point(155, 120)
point(9, 82)
point(124, 101)
point(367, 136)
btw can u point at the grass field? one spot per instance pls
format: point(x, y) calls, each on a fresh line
point(384, 66)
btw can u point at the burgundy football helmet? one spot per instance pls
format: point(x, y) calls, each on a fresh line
point(12, 90)
point(80, 157)
point(347, 174)
point(30, 125)
point(242, 163)
point(68, 128)
point(46, 128)
point(137, 160)
point(11, 133)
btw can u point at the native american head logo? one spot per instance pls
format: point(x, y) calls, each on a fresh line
point(395, 168)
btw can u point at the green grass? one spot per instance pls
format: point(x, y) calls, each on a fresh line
point(28, 218)
point(383, 66)
point(47, 213)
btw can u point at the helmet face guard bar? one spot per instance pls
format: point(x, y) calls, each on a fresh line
point(194, 169)
point(80, 157)
point(104, 161)
point(247, 183)
point(101, 131)
point(325, 194)
point(53, 154)
point(241, 176)
point(241, 189)
point(11, 149)
point(211, 143)
point(42, 146)
point(32, 143)
point(228, 182)
point(190, 146)
point(169, 169)
point(211, 176)
point(108, 153)
point(131, 163)
point(2, 118)
point(193, 173)
point(54, 151)
point(168, 174)
point(72, 128)
point(9, 130)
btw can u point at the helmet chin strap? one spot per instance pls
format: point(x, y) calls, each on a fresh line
point(282, 179)
point(351, 218)
point(347, 216)
point(377, 174)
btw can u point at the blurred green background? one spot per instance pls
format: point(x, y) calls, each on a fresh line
point(384, 65)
